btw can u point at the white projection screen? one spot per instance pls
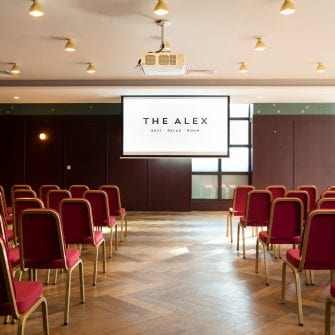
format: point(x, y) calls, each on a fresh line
point(173, 126)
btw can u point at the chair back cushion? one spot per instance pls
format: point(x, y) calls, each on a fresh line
point(54, 197)
point(240, 198)
point(114, 199)
point(77, 191)
point(258, 208)
point(99, 205)
point(44, 189)
point(312, 192)
point(303, 196)
point(277, 191)
point(326, 203)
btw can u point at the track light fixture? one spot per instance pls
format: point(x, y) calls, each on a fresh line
point(161, 8)
point(287, 8)
point(243, 68)
point(260, 45)
point(90, 68)
point(36, 9)
point(320, 67)
point(69, 46)
point(15, 69)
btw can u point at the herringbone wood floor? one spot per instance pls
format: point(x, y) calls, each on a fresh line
point(177, 274)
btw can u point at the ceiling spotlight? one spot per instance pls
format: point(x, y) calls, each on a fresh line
point(14, 69)
point(69, 46)
point(287, 8)
point(320, 67)
point(260, 45)
point(161, 8)
point(243, 68)
point(90, 68)
point(36, 9)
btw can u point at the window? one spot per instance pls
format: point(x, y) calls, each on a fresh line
point(216, 178)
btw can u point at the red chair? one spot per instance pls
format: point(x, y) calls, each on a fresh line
point(304, 197)
point(46, 250)
point(115, 207)
point(277, 191)
point(8, 208)
point(239, 205)
point(19, 205)
point(8, 218)
point(44, 189)
point(285, 226)
point(331, 188)
point(100, 213)
point(326, 203)
point(330, 301)
point(313, 195)
point(317, 251)
point(257, 213)
point(77, 191)
point(54, 197)
point(328, 194)
point(77, 222)
point(19, 298)
point(21, 187)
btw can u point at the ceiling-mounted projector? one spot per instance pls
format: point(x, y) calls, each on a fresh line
point(162, 62)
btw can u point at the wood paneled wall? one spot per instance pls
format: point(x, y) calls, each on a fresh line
point(294, 150)
point(87, 150)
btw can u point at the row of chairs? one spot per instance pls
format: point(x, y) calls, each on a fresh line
point(291, 219)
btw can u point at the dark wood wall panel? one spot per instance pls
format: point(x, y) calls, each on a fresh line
point(314, 152)
point(170, 184)
point(273, 151)
point(86, 151)
point(44, 159)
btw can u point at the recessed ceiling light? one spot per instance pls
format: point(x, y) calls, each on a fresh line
point(287, 8)
point(36, 9)
point(161, 8)
point(259, 97)
point(16, 98)
point(243, 68)
point(69, 46)
point(90, 68)
point(320, 68)
point(260, 45)
point(15, 69)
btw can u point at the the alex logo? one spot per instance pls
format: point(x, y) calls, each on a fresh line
point(180, 121)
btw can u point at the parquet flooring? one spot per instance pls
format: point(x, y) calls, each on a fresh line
point(177, 274)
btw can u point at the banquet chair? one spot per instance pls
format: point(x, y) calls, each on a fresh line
point(257, 213)
point(44, 189)
point(48, 252)
point(77, 191)
point(8, 208)
point(330, 301)
point(239, 204)
point(326, 203)
point(101, 216)
point(277, 191)
point(54, 197)
point(327, 194)
point(285, 225)
point(304, 197)
point(317, 251)
point(313, 195)
point(77, 223)
point(20, 298)
point(8, 218)
point(115, 206)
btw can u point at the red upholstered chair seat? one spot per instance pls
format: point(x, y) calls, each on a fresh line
point(263, 235)
point(27, 293)
point(10, 234)
point(253, 223)
point(14, 256)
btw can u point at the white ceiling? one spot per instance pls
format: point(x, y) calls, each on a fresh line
point(212, 34)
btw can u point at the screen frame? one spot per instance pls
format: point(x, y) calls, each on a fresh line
point(175, 96)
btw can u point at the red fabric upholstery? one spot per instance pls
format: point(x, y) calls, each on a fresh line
point(263, 235)
point(55, 197)
point(10, 234)
point(27, 293)
point(44, 189)
point(304, 197)
point(311, 190)
point(332, 290)
point(72, 256)
point(9, 219)
point(293, 257)
point(277, 191)
point(327, 203)
point(240, 199)
point(14, 256)
point(77, 191)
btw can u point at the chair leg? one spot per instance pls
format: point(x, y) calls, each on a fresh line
point(95, 265)
point(327, 316)
point(67, 297)
point(116, 238)
point(227, 225)
point(45, 317)
point(121, 237)
point(307, 277)
point(266, 265)
point(299, 300)
point(283, 283)
point(56, 276)
point(238, 237)
point(110, 242)
point(257, 255)
point(332, 276)
point(104, 256)
point(125, 226)
point(312, 277)
point(47, 277)
point(82, 285)
point(231, 228)
point(243, 240)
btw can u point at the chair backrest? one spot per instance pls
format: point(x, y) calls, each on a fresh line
point(99, 205)
point(286, 217)
point(326, 203)
point(277, 191)
point(318, 247)
point(3, 232)
point(7, 288)
point(240, 198)
point(41, 239)
point(258, 206)
point(76, 218)
point(20, 186)
point(328, 194)
point(54, 197)
point(3, 210)
point(77, 191)
point(331, 188)
point(23, 193)
point(313, 195)
point(303, 196)
point(114, 198)
point(19, 205)
point(44, 189)
point(2, 191)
